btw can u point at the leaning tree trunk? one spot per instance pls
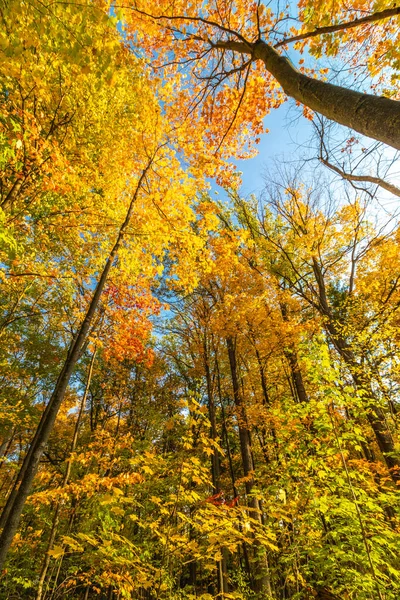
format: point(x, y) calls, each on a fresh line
point(376, 117)
point(375, 413)
point(65, 481)
point(12, 511)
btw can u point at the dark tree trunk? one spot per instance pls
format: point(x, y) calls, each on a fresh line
point(244, 433)
point(260, 581)
point(376, 117)
point(296, 376)
point(12, 511)
point(267, 403)
point(221, 566)
point(295, 372)
point(66, 477)
point(234, 488)
point(215, 461)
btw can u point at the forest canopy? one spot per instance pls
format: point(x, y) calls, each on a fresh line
point(199, 393)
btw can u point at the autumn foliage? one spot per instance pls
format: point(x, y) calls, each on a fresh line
point(199, 398)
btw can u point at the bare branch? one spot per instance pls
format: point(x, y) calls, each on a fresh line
point(367, 178)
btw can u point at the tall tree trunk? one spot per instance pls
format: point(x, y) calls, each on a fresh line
point(267, 403)
point(374, 116)
point(65, 481)
point(375, 414)
point(221, 566)
point(224, 584)
point(291, 356)
point(261, 581)
point(215, 462)
point(296, 376)
point(12, 511)
point(244, 433)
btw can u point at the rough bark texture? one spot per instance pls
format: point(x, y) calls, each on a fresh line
point(374, 116)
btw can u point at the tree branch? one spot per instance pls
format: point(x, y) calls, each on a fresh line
point(377, 16)
point(367, 178)
point(376, 117)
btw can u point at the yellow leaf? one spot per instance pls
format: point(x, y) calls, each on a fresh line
point(107, 499)
point(56, 552)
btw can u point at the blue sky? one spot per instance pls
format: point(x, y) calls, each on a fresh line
point(288, 131)
point(288, 139)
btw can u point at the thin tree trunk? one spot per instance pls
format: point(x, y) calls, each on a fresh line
point(215, 466)
point(296, 376)
point(13, 509)
point(5, 447)
point(221, 566)
point(267, 404)
point(244, 433)
point(65, 481)
point(295, 372)
point(261, 580)
point(234, 488)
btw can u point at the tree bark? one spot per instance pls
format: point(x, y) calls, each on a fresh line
point(221, 565)
point(295, 371)
point(232, 474)
point(215, 462)
point(244, 433)
point(376, 117)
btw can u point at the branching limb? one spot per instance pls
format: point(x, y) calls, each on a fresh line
point(373, 18)
point(361, 178)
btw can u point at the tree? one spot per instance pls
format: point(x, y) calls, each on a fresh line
point(141, 182)
point(237, 74)
point(249, 448)
point(292, 441)
point(311, 255)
